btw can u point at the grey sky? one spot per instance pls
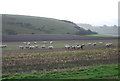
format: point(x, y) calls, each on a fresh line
point(95, 12)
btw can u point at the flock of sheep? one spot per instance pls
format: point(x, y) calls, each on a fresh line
point(77, 46)
point(29, 45)
point(33, 45)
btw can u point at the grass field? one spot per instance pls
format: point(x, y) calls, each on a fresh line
point(96, 62)
point(98, 35)
point(60, 44)
point(96, 72)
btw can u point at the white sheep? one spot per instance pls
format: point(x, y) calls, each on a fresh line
point(3, 46)
point(77, 46)
point(82, 46)
point(51, 42)
point(89, 43)
point(108, 44)
point(73, 47)
point(43, 46)
point(24, 43)
point(28, 43)
point(44, 42)
point(35, 42)
point(50, 47)
point(21, 47)
point(36, 46)
point(94, 44)
point(100, 42)
point(31, 47)
point(67, 46)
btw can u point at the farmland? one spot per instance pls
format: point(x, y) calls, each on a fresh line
point(95, 62)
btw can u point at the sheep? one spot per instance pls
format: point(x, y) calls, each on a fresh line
point(36, 46)
point(44, 42)
point(43, 46)
point(67, 46)
point(35, 42)
point(50, 47)
point(26, 47)
point(82, 46)
point(3, 46)
point(108, 44)
point(24, 43)
point(31, 47)
point(89, 43)
point(73, 47)
point(21, 47)
point(28, 43)
point(94, 44)
point(77, 46)
point(100, 42)
point(51, 42)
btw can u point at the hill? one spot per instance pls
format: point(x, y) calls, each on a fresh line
point(103, 30)
point(20, 24)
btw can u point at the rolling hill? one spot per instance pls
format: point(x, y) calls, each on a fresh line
point(103, 30)
point(21, 24)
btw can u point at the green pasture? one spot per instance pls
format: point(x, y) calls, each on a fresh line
point(36, 25)
point(96, 72)
point(58, 44)
point(99, 35)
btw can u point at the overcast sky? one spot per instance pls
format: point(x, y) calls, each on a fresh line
point(95, 12)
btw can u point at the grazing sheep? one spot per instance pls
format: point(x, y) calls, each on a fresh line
point(26, 47)
point(82, 46)
point(35, 42)
point(50, 47)
point(28, 43)
point(31, 47)
point(51, 42)
point(43, 46)
point(67, 46)
point(108, 44)
point(36, 46)
point(44, 42)
point(3, 46)
point(89, 43)
point(21, 47)
point(73, 47)
point(24, 43)
point(100, 42)
point(94, 44)
point(77, 46)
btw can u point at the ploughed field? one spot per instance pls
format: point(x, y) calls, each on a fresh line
point(95, 62)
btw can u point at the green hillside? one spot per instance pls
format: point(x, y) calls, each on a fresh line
point(19, 24)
